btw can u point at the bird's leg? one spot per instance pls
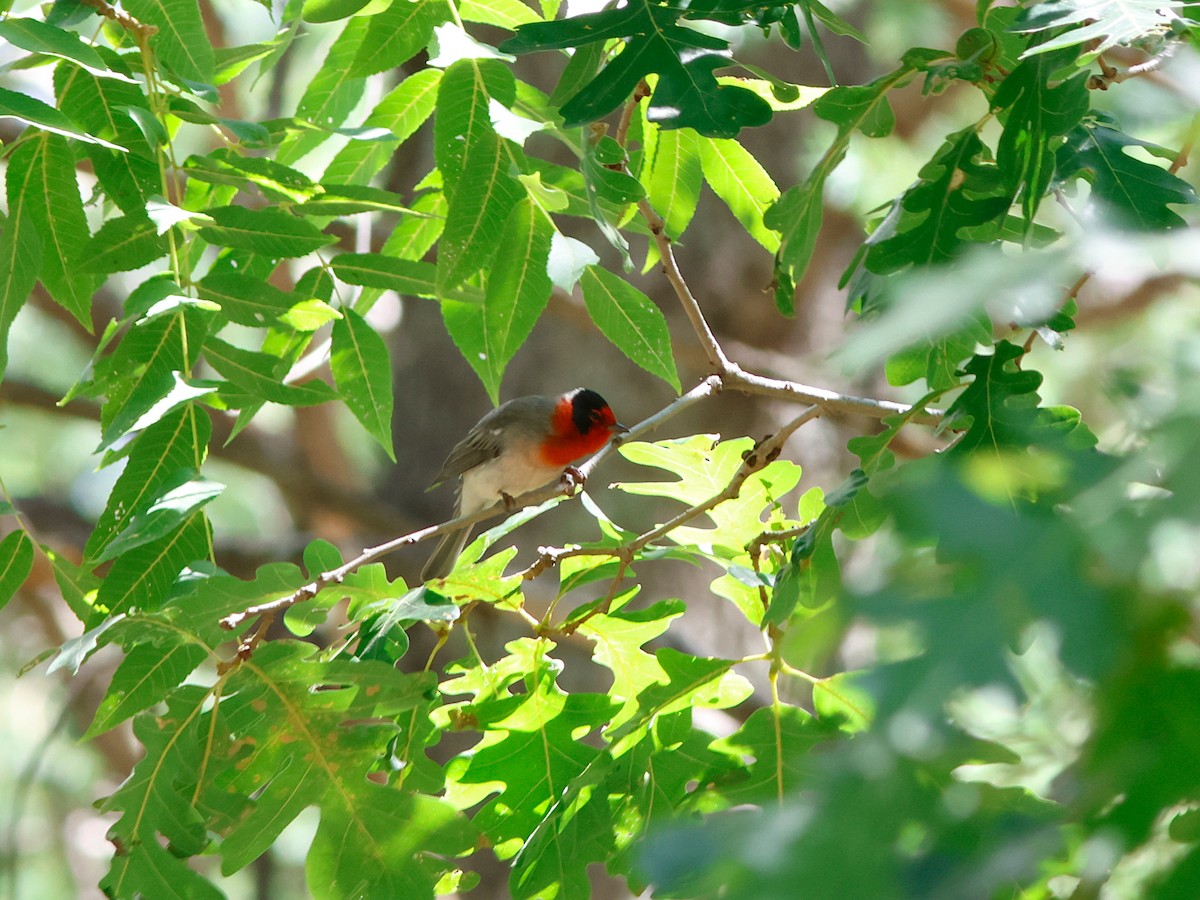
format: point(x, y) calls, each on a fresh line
point(572, 480)
point(510, 502)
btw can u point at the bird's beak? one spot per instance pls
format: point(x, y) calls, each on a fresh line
point(618, 428)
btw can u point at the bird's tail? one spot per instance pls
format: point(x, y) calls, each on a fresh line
point(446, 554)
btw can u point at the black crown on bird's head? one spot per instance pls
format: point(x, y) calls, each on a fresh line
point(588, 410)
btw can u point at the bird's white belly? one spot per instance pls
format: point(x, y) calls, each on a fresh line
point(483, 485)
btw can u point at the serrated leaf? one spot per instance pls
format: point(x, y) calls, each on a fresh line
point(148, 672)
point(463, 112)
point(181, 41)
point(277, 182)
point(331, 96)
point(505, 13)
point(31, 111)
point(259, 376)
point(168, 511)
point(672, 177)
point(398, 33)
point(16, 562)
point(270, 232)
point(629, 319)
point(20, 257)
point(177, 441)
point(37, 36)
point(245, 300)
point(687, 93)
point(362, 370)
point(322, 11)
point(743, 184)
point(377, 270)
point(402, 111)
point(141, 578)
point(121, 245)
point(480, 204)
point(518, 289)
point(351, 199)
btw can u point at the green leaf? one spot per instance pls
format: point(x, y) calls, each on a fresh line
point(1136, 193)
point(376, 270)
point(603, 169)
point(16, 562)
point(629, 319)
point(57, 210)
point(144, 369)
point(1102, 24)
point(153, 803)
point(146, 675)
point(181, 42)
point(402, 112)
point(176, 442)
point(619, 637)
point(351, 199)
point(167, 512)
point(140, 579)
point(773, 749)
point(505, 13)
point(398, 33)
point(20, 255)
point(531, 749)
point(743, 184)
point(276, 181)
point(104, 107)
point(1038, 114)
point(333, 716)
point(121, 245)
point(958, 189)
point(463, 116)
point(321, 11)
point(270, 232)
point(672, 176)
point(259, 377)
point(362, 370)
point(246, 300)
point(1000, 406)
point(40, 37)
point(687, 93)
point(480, 204)
point(691, 681)
point(30, 111)
point(797, 214)
point(411, 840)
point(331, 96)
point(704, 467)
point(518, 290)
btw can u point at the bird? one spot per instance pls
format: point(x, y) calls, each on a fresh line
point(519, 446)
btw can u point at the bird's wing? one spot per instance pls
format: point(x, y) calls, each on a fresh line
point(507, 422)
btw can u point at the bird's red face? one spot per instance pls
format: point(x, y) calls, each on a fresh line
point(582, 423)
